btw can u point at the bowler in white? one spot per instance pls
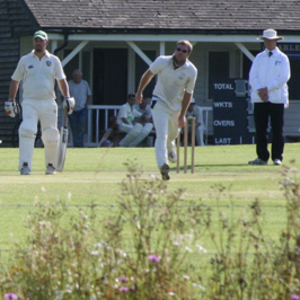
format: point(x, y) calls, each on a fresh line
point(176, 77)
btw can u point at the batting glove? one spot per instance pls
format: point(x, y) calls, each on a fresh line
point(11, 108)
point(69, 104)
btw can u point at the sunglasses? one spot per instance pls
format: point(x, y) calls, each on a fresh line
point(181, 50)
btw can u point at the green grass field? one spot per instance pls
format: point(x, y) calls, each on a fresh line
point(94, 174)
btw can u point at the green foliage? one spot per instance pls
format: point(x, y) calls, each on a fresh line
point(150, 248)
point(247, 264)
point(138, 253)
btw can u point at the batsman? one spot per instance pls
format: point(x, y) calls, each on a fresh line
point(38, 71)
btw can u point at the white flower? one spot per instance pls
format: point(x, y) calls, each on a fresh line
point(189, 236)
point(186, 277)
point(95, 252)
point(201, 248)
point(188, 249)
point(199, 286)
point(59, 295)
point(138, 225)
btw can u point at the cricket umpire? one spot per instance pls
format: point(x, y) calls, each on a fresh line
point(38, 71)
point(268, 78)
point(172, 94)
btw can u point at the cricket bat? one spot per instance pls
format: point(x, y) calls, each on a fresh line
point(108, 132)
point(62, 148)
point(105, 136)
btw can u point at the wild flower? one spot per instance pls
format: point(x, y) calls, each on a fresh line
point(123, 289)
point(10, 296)
point(123, 279)
point(154, 258)
point(171, 292)
point(295, 297)
point(203, 250)
point(188, 249)
point(201, 287)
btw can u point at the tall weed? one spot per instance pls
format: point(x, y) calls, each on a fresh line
point(151, 248)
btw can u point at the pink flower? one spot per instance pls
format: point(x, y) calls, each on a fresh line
point(123, 289)
point(10, 296)
point(123, 279)
point(295, 297)
point(154, 258)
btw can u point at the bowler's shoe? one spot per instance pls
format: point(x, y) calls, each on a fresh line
point(172, 156)
point(164, 171)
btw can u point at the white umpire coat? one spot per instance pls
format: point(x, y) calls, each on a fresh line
point(272, 72)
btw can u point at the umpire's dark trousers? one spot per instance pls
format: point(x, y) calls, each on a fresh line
point(262, 111)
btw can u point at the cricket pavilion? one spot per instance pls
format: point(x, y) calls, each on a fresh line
point(114, 41)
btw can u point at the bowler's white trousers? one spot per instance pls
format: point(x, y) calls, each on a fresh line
point(166, 126)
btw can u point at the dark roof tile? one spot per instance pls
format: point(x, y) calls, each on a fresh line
point(176, 14)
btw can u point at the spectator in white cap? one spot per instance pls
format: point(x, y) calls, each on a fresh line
point(268, 78)
point(196, 111)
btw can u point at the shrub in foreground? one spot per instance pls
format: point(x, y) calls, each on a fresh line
point(137, 253)
point(142, 251)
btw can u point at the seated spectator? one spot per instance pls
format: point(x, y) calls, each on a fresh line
point(196, 111)
point(133, 123)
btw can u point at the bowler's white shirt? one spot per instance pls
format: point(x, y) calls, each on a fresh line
point(272, 72)
point(38, 75)
point(171, 84)
point(127, 112)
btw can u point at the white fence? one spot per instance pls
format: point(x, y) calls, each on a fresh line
point(99, 120)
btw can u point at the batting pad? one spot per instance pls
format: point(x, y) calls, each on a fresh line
point(50, 137)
